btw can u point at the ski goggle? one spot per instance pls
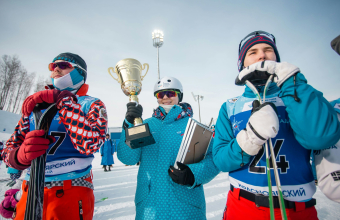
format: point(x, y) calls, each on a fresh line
point(63, 65)
point(254, 34)
point(168, 93)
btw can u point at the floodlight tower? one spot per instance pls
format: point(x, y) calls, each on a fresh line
point(198, 98)
point(157, 37)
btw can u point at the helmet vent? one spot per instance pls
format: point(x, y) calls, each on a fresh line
point(159, 82)
point(169, 80)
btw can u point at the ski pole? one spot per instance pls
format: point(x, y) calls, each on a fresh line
point(35, 197)
point(272, 154)
point(278, 183)
point(271, 205)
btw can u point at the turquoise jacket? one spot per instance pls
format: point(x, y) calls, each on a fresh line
point(313, 120)
point(157, 196)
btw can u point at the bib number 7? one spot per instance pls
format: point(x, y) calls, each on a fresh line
point(56, 145)
point(282, 164)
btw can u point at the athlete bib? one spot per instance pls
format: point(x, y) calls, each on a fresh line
point(292, 160)
point(63, 161)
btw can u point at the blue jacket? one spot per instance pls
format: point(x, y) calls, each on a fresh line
point(107, 151)
point(313, 121)
point(157, 196)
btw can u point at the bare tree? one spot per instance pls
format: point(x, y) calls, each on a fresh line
point(23, 89)
point(41, 83)
point(9, 69)
point(15, 83)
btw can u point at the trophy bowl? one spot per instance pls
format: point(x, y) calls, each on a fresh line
point(129, 76)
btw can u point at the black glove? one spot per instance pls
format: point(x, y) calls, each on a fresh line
point(183, 175)
point(256, 104)
point(133, 111)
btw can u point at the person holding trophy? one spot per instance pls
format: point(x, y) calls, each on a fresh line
point(164, 192)
point(77, 131)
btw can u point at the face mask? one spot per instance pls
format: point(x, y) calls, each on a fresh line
point(167, 108)
point(71, 81)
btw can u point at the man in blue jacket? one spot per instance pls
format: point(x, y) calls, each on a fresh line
point(107, 151)
point(299, 120)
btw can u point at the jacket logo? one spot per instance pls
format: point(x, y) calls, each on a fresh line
point(236, 126)
point(103, 113)
point(232, 100)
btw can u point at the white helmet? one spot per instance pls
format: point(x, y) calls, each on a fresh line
point(169, 83)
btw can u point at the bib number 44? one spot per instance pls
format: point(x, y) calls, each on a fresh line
point(282, 164)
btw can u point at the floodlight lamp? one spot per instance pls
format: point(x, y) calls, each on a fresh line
point(157, 37)
point(202, 98)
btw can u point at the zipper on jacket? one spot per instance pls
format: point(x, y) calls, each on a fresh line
point(80, 209)
point(242, 164)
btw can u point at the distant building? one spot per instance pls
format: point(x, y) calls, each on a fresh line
point(115, 133)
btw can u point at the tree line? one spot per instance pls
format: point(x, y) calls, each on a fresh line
point(16, 83)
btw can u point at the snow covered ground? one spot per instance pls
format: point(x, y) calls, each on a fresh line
point(119, 186)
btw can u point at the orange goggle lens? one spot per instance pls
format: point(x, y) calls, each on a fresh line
point(169, 94)
point(61, 65)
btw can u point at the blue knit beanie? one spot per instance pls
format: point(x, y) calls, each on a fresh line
point(76, 59)
point(257, 39)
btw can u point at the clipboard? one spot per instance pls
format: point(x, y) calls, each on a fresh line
point(195, 143)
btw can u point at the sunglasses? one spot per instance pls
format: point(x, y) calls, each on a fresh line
point(254, 34)
point(168, 93)
point(63, 65)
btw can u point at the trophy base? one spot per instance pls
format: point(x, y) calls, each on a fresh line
point(139, 136)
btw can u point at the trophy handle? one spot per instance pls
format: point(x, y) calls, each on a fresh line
point(113, 70)
point(142, 77)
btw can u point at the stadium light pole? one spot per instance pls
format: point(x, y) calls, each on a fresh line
point(197, 98)
point(157, 37)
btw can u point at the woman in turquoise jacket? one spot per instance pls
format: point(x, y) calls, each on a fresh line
point(164, 192)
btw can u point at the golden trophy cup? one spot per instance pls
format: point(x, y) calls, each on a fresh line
point(129, 76)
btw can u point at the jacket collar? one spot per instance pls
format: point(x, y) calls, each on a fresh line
point(177, 112)
point(82, 91)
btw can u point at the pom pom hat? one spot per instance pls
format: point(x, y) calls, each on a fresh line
point(256, 37)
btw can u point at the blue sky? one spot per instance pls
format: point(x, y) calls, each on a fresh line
point(200, 48)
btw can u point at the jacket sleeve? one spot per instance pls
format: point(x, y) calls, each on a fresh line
point(227, 154)
point(125, 154)
point(205, 170)
point(328, 166)
point(87, 132)
point(313, 119)
point(17, 138)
